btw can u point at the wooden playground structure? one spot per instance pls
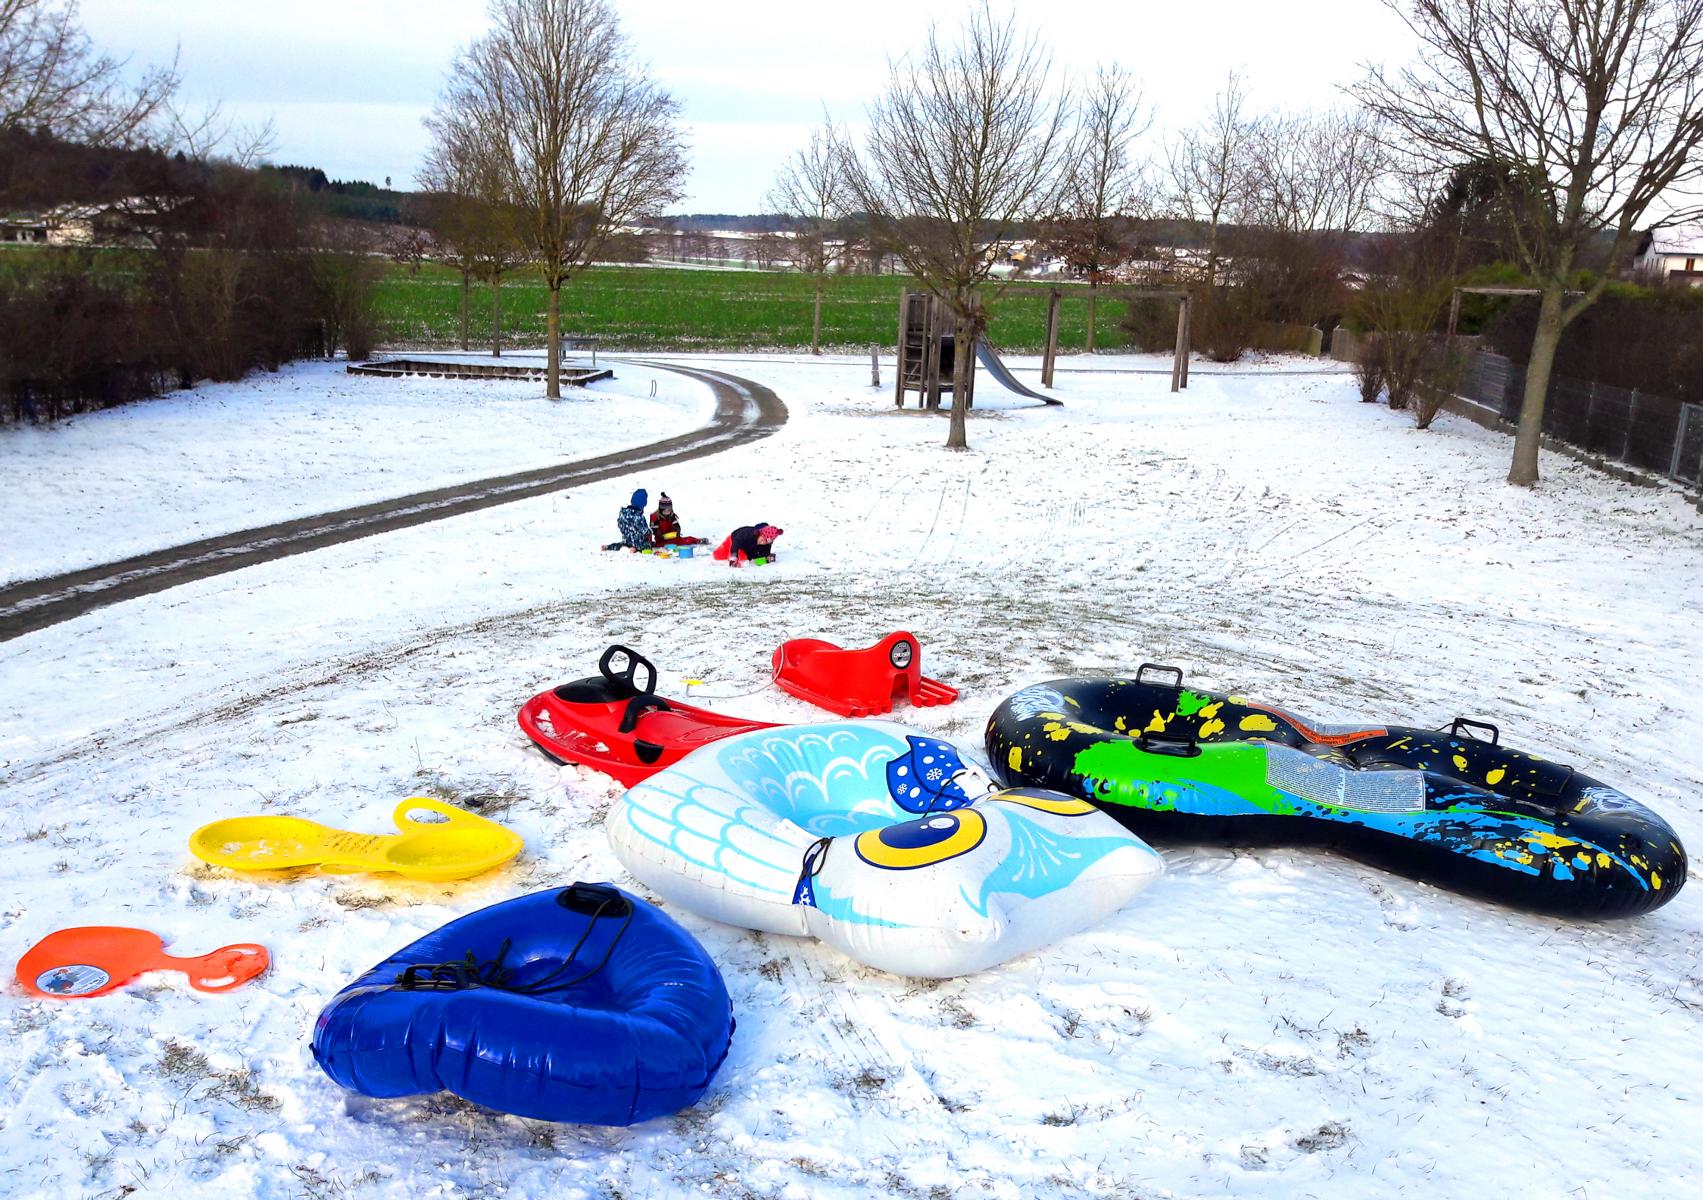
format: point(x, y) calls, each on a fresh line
point(928, 345)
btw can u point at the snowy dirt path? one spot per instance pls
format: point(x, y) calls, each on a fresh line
point(743, 412)
point(1260, 1023)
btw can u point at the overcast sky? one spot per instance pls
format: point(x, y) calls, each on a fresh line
point(347, 81)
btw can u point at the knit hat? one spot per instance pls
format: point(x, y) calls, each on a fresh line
point(768, 533)
point(665, 502)
point(639, 498)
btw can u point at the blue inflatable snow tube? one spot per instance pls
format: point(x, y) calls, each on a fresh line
point(581, 1004)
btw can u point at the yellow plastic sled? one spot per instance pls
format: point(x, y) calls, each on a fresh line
point(456, 847)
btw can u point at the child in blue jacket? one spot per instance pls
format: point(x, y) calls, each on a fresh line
point(635, 529)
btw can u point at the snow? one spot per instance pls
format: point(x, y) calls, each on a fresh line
point(308, 439)
point(1266, 1022)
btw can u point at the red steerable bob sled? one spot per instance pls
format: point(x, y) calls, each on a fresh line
point(859, 683)
point(613, 724)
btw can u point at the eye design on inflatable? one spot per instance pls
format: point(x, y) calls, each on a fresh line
point(901, 654)
point(923, 842)
point(1047, 802)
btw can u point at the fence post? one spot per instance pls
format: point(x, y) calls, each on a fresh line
point(874, 367)
point(1679, 440)
point(1631, 420)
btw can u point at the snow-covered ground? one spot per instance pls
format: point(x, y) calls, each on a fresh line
point(303, 441)
point(1260, 1023)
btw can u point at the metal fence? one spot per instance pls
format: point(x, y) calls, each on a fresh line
point(1656, 433)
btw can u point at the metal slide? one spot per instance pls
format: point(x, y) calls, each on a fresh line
point(989, 358)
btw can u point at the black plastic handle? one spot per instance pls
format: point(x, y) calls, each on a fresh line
point(594, 900)
point(1560, 786)
point(1141, 673)
point(1461, 725)
point(1159, 743)
point(637, 707)
point(628, 678)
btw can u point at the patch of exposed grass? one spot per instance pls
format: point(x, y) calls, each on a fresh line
point(655, 308)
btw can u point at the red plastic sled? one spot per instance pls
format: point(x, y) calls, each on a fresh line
point(859, 683)
point(613, 724)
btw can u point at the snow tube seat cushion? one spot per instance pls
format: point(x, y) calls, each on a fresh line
point(581, 1004)
point(880, 840)
point(1449, 807)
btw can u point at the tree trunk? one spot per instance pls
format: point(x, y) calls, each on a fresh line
point(1544, 342)
point(816, 322)
point(497, 315)
point(553, 352)
point(963, 355)
point(1093, 296)
point(466, 282)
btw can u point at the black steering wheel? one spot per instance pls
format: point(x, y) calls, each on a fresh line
point(625, 681)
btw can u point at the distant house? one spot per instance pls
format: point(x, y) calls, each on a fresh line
point(1672, 254)
point(29, 229)
point(119, 223)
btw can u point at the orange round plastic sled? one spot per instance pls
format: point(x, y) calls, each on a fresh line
point(92, 960)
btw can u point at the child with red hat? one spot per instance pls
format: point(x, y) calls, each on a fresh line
point(665, 526)
point(749, 542)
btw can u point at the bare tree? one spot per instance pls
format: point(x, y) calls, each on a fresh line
point(1107, 190)
point(810, 191)
point(469, 209)
point(1311, 172)
point(1591, 108)
point(1400, 309)
point(968, 143)
point(1211, 169)
point(586, 143)
point(52, 78)
point(209, 134)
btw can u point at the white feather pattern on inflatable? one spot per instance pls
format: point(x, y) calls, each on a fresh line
point(880, 840)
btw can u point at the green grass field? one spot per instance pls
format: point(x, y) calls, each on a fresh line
point(657, 308)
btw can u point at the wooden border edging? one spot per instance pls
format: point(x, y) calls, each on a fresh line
point(396, 368)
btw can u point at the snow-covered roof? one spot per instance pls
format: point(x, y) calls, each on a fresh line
point(1680, 239)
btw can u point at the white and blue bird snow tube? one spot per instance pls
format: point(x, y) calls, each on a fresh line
point(882, 841)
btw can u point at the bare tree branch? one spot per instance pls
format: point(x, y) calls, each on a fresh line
point(51, 78)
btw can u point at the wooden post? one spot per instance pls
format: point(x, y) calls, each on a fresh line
point(968, 348)
point(1177, 349)
point(931, 336)
point(875, 367)
point(1454, 311)
point(904, 337)
point(1188, 336)
point(1052, 340)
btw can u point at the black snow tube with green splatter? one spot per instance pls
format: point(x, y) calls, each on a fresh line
point(1451, 807)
